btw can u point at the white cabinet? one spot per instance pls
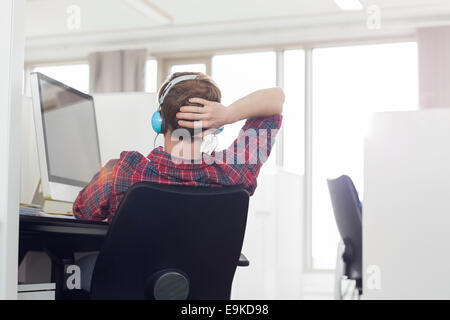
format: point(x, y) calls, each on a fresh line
point(273, 241)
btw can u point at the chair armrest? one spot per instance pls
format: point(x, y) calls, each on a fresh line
point(243, 261)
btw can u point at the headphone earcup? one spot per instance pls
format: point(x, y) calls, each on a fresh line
point(157, 122)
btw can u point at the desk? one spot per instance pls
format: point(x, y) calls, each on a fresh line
point(60, 239)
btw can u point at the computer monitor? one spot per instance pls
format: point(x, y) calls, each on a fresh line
point(66, 136)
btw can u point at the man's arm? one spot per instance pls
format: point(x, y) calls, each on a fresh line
point(92, 202)
point(261, 103)
point(242, 161)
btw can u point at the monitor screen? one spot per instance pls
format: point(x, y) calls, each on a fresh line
point(70, 133)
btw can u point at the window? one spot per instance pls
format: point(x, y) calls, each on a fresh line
point(350, 83)
point(151, 75)
point(294, 111)
point(238, 75)
point(193, 67)
point(73, 75)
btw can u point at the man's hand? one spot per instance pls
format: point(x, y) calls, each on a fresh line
point(261, 103)
point(211, 115)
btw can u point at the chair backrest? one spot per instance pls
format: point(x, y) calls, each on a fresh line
point(348, 215)
point(170, 238)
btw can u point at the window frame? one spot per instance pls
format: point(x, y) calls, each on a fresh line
point(152, 58)
point(165, 63)
point(30, 66)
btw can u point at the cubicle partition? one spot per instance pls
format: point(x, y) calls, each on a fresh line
point(406, 213)
point(124, 123)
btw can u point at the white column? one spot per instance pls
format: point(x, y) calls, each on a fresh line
point(280, 83)
point(11, 78)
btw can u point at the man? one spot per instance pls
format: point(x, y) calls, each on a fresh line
point(190, 108)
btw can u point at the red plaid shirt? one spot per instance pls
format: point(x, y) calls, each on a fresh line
point(100, 199)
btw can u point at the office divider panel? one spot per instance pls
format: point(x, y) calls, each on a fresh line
point(406, 213)
point(124, 123)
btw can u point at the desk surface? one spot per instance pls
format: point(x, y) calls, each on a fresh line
point(60, 238)
point(31, 224)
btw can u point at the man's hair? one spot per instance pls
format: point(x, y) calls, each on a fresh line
point(201, 87)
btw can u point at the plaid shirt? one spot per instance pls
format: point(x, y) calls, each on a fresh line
point(100, 199)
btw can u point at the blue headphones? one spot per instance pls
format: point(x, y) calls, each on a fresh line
point(157, 120)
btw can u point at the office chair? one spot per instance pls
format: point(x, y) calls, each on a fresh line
point(348, 214)
point(172, 242)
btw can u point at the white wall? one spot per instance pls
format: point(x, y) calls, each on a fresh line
point(11, 76)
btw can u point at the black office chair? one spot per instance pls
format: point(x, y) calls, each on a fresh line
point(348, 214)
point(171, 242)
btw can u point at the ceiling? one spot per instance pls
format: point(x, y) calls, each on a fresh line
point(46, 18)
point(199, 26)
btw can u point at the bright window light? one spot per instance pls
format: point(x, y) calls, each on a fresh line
point(193, 67)
point(349, 84)
point(73, 75)
point(151, 74)
point(349, 5)
point(238, 75)
point(294, 111)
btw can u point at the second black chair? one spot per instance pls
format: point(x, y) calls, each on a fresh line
point(348, 214)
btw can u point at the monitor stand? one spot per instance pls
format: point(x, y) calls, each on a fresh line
point(57, 207)
point(38, 197)
point(49, 205)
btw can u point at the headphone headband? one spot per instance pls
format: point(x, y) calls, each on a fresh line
point(174, 82)
point(157, 120)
